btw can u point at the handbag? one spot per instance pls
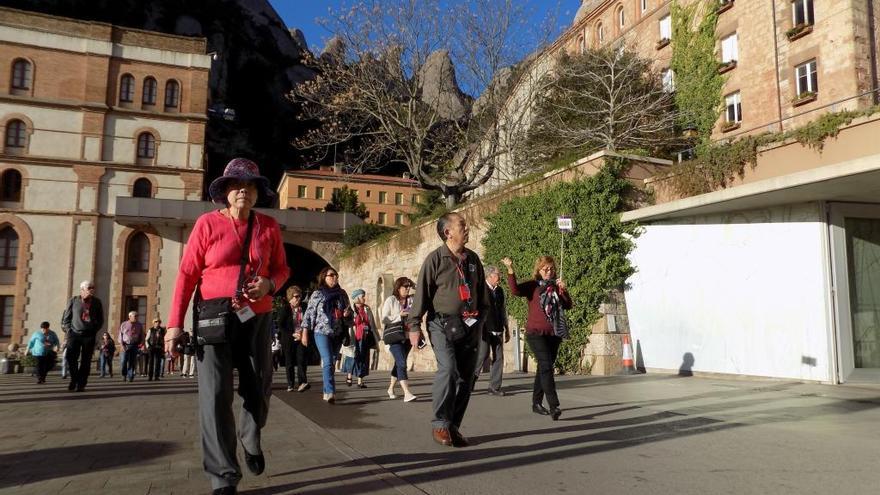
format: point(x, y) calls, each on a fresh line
point(214, 318)
point(453, 327)
point(394, 333)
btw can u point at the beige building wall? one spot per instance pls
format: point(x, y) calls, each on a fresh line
point(80, 156)
point(369, 188)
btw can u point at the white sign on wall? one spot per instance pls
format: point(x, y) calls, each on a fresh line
point(565, 224)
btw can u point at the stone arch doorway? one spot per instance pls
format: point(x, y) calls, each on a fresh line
point(304, 267)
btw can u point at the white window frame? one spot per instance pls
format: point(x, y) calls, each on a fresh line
point(665, 21)
point(644, 5)
point(733, 101)
point(812, 87)
point(730, 48)
point(667, 76)
point(809, 13)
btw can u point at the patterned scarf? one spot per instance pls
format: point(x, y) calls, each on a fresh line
point(333, 303)
point(552, 307)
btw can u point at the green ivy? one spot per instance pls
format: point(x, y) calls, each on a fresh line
point(595, 259)
point(698, 84)
point(719, 163)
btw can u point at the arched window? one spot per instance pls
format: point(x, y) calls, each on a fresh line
point(582, 46)
point(126, 88)
point(22, 74)
point(146, 146)
point(139, 253)
point(172, 94)
point(8, 249)
point(10, 185)
point(621, 18)
point(600, 33)
point(150, 91)
point(143, 188)
point(16, 134)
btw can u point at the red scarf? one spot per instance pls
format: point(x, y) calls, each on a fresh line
point(361, 322)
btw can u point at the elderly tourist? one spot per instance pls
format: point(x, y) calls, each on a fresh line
point(547, 300)
point(82, 319)
point(234, 260)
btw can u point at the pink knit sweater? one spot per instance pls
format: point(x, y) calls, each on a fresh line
point(212, 255)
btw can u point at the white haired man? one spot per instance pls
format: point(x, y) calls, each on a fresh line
point(131, 338)
point(82, 320)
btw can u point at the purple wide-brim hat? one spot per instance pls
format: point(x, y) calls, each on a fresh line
point(239, 169)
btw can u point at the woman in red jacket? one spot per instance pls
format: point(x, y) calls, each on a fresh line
point(212, 260)
point(546, 296)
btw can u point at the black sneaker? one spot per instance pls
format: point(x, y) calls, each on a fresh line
point(555, 413)
point(71, 386)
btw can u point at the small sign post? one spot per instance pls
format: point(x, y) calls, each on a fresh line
point(565, 224)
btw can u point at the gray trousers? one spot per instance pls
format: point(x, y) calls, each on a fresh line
point(451, 390)
point(495, 344)
point(250, 351)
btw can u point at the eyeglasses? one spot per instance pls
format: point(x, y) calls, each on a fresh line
point(91, 287)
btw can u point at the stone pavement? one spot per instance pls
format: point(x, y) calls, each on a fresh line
point(640, 434)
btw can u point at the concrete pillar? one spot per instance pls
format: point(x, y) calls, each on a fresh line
point(602, 355)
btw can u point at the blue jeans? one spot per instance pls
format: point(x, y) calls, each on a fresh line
point(400, 351)
point(129, 361)
point(106, 364)
point(329, 350)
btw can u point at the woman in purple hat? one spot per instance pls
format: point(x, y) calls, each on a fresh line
point(212, 266)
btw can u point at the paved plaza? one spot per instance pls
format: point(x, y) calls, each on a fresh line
point(654, 433)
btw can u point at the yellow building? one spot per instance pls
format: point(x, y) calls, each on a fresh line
point(388, 199)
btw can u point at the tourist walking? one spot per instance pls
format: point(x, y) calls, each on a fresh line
point(395, 311)
point(155, 349)
point(236, 258)
point(82, 319)
point(326, 317)
point(294, 341)
point(105, 355)
point(451, 290)
point(43, 345)
point(364, 337)
point(547, 300)
point(276, 351)
point(189, 350)
point(131, 338)
point(492, 342)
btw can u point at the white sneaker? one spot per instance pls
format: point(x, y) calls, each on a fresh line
point(290, 389)
point(410, 398)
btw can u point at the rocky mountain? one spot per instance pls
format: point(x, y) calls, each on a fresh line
point(258, 61)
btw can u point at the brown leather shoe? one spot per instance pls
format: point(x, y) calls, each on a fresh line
point(458, 440)
point(442, 436)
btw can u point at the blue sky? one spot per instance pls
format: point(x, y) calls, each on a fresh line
point(302, 14)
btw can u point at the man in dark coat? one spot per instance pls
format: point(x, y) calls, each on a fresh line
point(81, 321)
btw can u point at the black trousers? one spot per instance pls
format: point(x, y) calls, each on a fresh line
point(79, 358)
point(44, 364)
point(296, 362)
point(545, 348)
point(154, 363)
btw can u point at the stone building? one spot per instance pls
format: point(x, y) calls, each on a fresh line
point(388, 199)
point(90, 113)
point(785, 62)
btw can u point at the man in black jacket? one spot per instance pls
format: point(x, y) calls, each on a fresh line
point(156, 348)
point(81, 321)
point(492, 342)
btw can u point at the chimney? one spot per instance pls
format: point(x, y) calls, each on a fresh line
point(406, 175)
point(337, 169)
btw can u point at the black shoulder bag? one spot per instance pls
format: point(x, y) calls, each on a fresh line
point(213, 318)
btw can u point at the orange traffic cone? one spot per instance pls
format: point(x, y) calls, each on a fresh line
point(629, 367)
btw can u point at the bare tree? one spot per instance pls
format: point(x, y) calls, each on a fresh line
point(388, 89)
point(605, 98)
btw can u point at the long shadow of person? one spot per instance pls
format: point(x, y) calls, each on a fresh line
point(687, 365)
point(57, 462)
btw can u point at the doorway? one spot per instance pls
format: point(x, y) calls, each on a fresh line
point(855, 237)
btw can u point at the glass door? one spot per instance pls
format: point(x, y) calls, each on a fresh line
point(856, 259)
